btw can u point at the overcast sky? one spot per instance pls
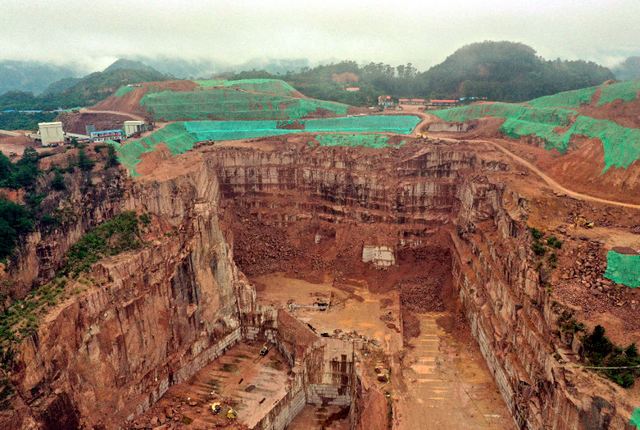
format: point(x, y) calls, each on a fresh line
point(96, 32)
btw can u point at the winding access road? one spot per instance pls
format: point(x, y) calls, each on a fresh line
point(552, 183)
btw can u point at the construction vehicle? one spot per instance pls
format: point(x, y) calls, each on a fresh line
point(215, 408)
point(264, 350)
point(583, 222)
point(232, 414)
point(421, 135)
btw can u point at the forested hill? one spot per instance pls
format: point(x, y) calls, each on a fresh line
point(499, 71)
point(508, 71)
point(87, 91)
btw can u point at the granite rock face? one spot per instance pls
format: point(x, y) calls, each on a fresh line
point(157, 315)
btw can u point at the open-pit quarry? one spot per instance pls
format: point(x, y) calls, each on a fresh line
point(306, 286)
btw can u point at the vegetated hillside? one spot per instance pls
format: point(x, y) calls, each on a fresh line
point(60, 86)
point(500, 71)
point(628, 70)
point(508, 71)
point(587, 139)
point(89, 90)
point(30, 76)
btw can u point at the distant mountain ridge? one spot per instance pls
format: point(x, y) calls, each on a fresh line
point(80, 92)
point(128, 64)
point(628, 70)
point(31, 76)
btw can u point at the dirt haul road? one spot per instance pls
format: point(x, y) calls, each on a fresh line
point(112, 112)
point(553, 184)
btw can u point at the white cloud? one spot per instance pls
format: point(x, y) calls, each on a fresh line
point(402, 31)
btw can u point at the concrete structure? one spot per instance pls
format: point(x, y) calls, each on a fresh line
point(132, 127)
point(381, 256)
point(101, 136)
point(453, 127)
point(51, 133)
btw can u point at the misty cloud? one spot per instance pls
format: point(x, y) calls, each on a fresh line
point(94, 34)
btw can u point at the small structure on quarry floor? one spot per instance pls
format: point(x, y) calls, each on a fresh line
point(380, 256)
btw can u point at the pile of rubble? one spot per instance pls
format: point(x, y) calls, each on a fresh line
point(589, 266)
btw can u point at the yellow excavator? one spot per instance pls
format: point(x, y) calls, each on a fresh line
point(421, 135)
point(232, 414)
point(583, 222)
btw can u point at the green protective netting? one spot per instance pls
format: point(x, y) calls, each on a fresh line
point(353, 140)
point(462, 114)
point(623, 269)
point(621, 144)
point(575, 98)
point(232, 105)
point(182, 136)
point(175, 136)
point(399, 124)
point(273, 86)
point(550, 116)
point(516, 128)
point(123, 90)
point(625, 91)
point(635, 418)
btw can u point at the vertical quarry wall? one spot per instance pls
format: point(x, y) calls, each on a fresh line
point(156, 316)
point(510, 313)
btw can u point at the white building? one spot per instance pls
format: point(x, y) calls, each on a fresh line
point(51, 133)
point(131, 127)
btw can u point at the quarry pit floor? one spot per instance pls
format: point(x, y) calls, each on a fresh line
point(241, 379)
point(441, 382)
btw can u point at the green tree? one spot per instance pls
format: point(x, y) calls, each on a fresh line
point(58, 182)
point(15, 220)
point(84, 162)
point(112, 157)
point(26, 170)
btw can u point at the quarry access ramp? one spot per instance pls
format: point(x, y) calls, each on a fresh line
point(552, 183)
point(112, 112)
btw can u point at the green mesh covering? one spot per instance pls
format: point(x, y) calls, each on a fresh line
point(399, 124)
point(621, 144)
point(625, 91)
point(575, 98)
point(123, 90)
point(181, 136)
point(635, 418)
point(231, 104)
point(462, 114)
point(175, 136)
point(516, 128)
point(557, 117)
point(210, 83)
point(352, 140)
point(273, 86)
point(623, 269)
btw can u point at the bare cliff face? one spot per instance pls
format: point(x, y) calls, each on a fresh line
point(151, 318)
point(104, 355)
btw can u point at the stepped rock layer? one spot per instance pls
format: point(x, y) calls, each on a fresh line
point(155, 316)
